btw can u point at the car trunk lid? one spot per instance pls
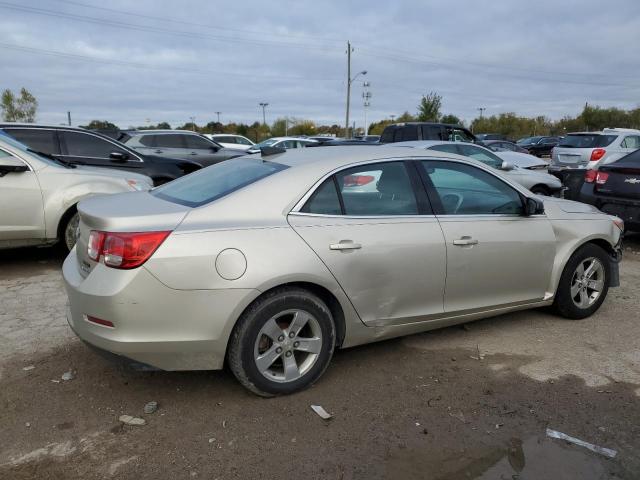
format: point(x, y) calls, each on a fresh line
point(129, 212)
point(619, 181)
point(576, 149)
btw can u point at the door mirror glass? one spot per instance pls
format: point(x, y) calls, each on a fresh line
point(506, 166)
point(10, 164)
point(118, 156)
point(533, 206)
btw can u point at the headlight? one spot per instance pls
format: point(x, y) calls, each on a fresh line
point(140, 186)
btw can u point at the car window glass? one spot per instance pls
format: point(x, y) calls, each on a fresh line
point(4, 154)
point(242, 141)
point(324, 200)
point(446, 147)
point(169, 141)
point(36, 139)
point(87, 145)
point(148, 140)
point(377, 189)
point(409, 133)
point(197, 143)
point(431, 132)
point(481, 155)
point(467, 190)
point(631, 142)
point(457, 135)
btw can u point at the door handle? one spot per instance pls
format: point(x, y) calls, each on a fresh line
point(465, 241)
point(158, 151)
point(193, 153)
point(345, 245)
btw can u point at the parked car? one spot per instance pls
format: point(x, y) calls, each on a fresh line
point(540, 183)
point(523, 160)
point(39, 194)
point(615, 189)
point(441, 240)
point(284, 142)
point(181, 144)
point(502, 146)
point(539, 146)
point(483, 137)
point(227, 140)
point(588, 150)
point(368, 138)
point(413, 131)
point(84, 147)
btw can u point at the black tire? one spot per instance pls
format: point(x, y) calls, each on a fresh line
point(68, 234)
point(540, 190)
point(240, 354)
point(564, 303)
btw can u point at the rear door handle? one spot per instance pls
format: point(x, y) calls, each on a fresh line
point(345, 245)
point(158, 151)
point(464, 241)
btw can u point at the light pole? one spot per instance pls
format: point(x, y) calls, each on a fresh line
point(392, 117)
point(218, 114)
point(264, 118)
point(366, 95)
point(481, 110)
point(349, 82)
point(193, 123)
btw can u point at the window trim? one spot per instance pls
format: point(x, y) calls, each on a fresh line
point(424, 209)
point(438, 209)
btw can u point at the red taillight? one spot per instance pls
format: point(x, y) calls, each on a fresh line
point(124, 250)
point(597, 154)
point(357, 180)
point(601, 178)
point(99, 321)
point(590, 176)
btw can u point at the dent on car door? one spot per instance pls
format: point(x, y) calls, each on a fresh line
point(495, 255)
point(21, 214)
point(376, 237)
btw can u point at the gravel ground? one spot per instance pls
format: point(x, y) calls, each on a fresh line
point(458, 403)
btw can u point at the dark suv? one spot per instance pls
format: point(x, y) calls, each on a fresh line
point(84, 147)
point(406, 132)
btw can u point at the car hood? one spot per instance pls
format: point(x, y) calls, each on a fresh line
point(523, 160)
point(538, 176)
point(559, 207)
point(111, 172)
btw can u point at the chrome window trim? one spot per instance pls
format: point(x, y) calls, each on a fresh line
point(19, 157)
point(360, 217)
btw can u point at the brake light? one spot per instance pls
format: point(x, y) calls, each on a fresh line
point(124, 250)
point(590, 176)
point(601, 178)
point(597, 154)
point(357, 180)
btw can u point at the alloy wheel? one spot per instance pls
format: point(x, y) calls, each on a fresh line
point(587, 282)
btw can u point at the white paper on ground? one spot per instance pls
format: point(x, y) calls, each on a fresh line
point(607, 452)
point(321, 411)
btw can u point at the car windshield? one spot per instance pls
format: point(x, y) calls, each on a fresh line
point(266, 143)
point(212, 183)
point(586, 140)
point(21, 146)
point(529, 140)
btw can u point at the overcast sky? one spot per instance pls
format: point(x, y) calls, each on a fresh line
point(151, 61)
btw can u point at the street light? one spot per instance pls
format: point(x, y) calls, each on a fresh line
point(264, 118)
point(349, 82)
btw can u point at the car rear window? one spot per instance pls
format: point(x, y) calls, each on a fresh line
point(587, 141)
point(212, 183)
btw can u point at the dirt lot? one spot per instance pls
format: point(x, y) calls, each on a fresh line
point(459, 403)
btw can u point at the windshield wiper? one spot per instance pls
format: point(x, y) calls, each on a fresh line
point(52, 157)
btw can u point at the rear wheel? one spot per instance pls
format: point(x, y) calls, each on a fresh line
point(283, 343)
point(540, 190)
point(584, 283)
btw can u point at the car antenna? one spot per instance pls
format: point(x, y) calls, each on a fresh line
point(267, 151)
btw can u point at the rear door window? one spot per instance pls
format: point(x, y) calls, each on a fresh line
point(325, 200)
point(197, 143)
point(170, 141)
point(42, 140)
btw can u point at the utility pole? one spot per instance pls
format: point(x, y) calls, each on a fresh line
point(264, 118)
point(481, 110)
point(286, 126)
point(366, 95)
point(193, 123)
point(392, 117)
point(218, 113)
point(349, 82)
point(69, 118)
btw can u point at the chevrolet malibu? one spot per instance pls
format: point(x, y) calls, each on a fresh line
point(271, 262)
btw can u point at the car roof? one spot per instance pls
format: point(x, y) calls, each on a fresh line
point(41, 125)
point(425, 143)
point(290, 138)
point(160, 131)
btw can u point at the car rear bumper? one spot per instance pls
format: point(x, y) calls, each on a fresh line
point(571, 178)
point(153, 324)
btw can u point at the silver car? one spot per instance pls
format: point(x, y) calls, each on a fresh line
point(537, 181)
point(39, 194)
point(269, 263)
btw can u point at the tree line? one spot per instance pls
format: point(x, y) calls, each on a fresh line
point(22, 107)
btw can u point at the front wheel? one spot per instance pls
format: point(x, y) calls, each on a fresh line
point(283, 343)
point(584, 283)
point(71, 231)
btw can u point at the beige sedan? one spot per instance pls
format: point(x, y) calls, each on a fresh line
point(271, 262)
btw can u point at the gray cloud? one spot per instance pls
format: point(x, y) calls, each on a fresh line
point(532, 58)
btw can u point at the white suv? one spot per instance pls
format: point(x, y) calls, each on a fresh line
point(588, 150)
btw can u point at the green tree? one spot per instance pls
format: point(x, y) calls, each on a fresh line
point(452, 119)
point(429, 108)
point(279, 127)
point(18, 109)
point(406, 117)
point(100, 125)
point(302, 127)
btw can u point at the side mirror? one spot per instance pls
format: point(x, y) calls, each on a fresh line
point(118, 157)
point(12, 165)
point(214, 148)
point(533, 206)
point(506, 166)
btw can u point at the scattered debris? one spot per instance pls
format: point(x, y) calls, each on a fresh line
point(27, 424)
point(55, 381)
point(28, 367)
point(498, 425)
point(211, 440)
point(417, 424)
point(150, 408)
point(68, 376)
point(321, 412)
point(425, 431)
point(435, 399)
point(134, 421)
point(459, 416)
point(607, 452)
point(479, 356)
point(224, 424)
